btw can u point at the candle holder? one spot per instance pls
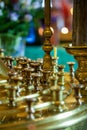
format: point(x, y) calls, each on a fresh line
point(80, 54)
point(47, 47)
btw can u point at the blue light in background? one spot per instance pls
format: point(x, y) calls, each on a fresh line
point(30, 39)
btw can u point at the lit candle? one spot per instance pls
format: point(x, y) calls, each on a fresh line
point(55, 52)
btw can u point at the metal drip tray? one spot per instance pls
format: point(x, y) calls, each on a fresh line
point(64, 120)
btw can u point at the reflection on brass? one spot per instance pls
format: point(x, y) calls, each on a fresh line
point(14, 90)
point(3, 69)
point(77, 94)
point(80, 54)
point(61, 83)
point(47, 47)
point(36, 81)
point(9, 61)
point(72, 75)
point(38, 94)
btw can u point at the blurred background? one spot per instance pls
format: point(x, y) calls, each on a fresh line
point(22, 25)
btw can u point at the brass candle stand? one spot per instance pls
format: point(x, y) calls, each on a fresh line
point(45, 93)
point(47, 47)
point(80, 54)
point(46, 102)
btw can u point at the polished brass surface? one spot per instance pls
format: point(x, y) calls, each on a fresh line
point(39, 95)
point(40, 107)
point(9, 61)
point(3, 70)
point(72, 71)
point(47, 47)
point(80, 53)
point(57, 121)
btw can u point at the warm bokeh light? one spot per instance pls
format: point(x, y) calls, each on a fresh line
point(40, 31)
point(52, 29)
point(71, 11)
point(64, 30)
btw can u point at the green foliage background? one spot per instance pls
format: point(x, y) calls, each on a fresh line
point(19, 27)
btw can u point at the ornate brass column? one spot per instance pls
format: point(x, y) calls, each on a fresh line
point(79, 39)
point(79, 43)
point(47, 47)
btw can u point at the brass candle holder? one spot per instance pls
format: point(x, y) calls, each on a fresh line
point(47, 47)
point(80, 54)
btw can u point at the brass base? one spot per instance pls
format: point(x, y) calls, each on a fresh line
point(80, 54)
point(68, 120)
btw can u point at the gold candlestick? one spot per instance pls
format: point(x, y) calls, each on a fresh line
point(47, 47)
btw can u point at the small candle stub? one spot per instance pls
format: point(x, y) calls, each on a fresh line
point(55, 52)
